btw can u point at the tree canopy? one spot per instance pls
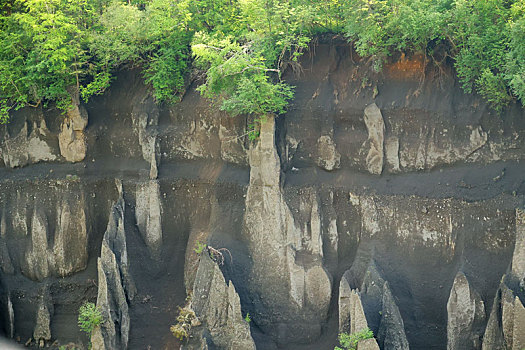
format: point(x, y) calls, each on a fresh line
point(54, 50)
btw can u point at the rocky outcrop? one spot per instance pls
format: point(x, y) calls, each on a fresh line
point(437, 148)
point(69, 251)
point(328, 156)
point(518, 258)
point(71, 237)
point(145, 125)
point(42, 332)
point(115, 237)
point(30, 145)
point(287, 259)
point(466, 316)
point(72, 138)
point(115, 284)
point(376, 135)
point(351, 313)
point(5, 258)
point(232, 146)
point(392, 154)
point(207, 134)
point(38, 260)
point(300, 208)
point(218, 309)
point(506, 325)
point(112, 303)
point(370, 305)
point(52, 231)
point(391, 334)
point(148, 213)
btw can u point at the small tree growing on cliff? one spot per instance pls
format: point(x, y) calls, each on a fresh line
point(89, 317)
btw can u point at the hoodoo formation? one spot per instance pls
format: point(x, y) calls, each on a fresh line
point(383, 204)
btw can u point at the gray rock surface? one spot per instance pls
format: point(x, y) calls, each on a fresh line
point(367, 344)
point(328, 156)
point(72, 139)
point(38, 262)
point(115, 237)
point(68, 253)
point(145, 125)
point(71, 238)
point(518, 258)
point(112, 303)
point(370, 305)
point(217, 306)
point(505, 327)
point(42, 332)
point(115, 284)
point(5, 258)
point(287, 259)
point(391, 334)
point(466, 315)
point(28, 147)
point(376, 135)
point(392, 154)
point(148, 213)
point(232, 146)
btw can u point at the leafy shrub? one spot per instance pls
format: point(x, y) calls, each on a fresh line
point(350, 341)
point(50, 51)
point(89, 317)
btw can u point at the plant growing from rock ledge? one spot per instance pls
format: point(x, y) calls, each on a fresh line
point(185, 321)
point(199, 247)
point(349, 341)
point(89, 317)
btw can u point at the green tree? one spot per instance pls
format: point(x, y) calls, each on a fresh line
point(43, 53)
point(89, 317)
point(53, 50)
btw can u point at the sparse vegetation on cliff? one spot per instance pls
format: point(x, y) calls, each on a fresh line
point(89, 317)
point(53, 50)
point(350, 341)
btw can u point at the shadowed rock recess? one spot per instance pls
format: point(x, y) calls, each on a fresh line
point(387, 200)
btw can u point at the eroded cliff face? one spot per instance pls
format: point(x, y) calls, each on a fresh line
point(384, 200)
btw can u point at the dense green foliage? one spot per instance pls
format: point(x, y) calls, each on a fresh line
point(54, 50)
point(484, 37)
point(89, 317)
point(350, 341)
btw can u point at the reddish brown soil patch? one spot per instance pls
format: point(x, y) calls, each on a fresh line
point(406, 68)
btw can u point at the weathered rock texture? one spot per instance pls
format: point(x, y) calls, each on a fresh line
point(42, 332)
point(148, 213)
point(27, 146)
point(388, 204)
point(218, 309)
point(287, 259)
point(115, 285)
point(329, 158)
point(72, 139)
point(466, 315)
point(376, 136)
point(506, 325)
point(67, 254)
point(366, 301)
